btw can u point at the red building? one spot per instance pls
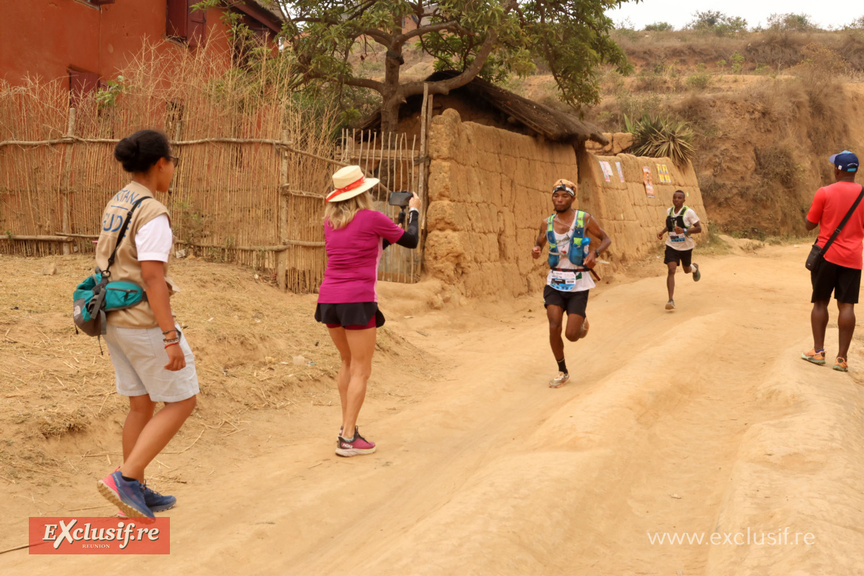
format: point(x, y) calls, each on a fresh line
point(88, 41)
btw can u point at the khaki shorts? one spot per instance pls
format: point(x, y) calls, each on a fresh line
point(139, 359)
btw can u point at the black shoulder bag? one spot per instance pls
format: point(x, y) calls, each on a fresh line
point(817, 254)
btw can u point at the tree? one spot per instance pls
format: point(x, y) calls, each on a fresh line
point(717, 22)
point(486, 38)
point(790, 22)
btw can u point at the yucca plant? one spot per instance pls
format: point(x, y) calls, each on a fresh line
point(658, 136)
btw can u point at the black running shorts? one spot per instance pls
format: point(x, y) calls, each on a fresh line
point(681, 257)
point(354, 315)
point(571, 302)
point(843, 282)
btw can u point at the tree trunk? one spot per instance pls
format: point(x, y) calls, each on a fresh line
point(392, 95)
point(390, 114)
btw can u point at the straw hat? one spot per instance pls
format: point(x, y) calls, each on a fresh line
point(349, 182)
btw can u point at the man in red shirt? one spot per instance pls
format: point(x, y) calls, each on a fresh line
point(840, 273)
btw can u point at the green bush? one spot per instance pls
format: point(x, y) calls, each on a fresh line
point(790, 22)
point(737, 63)
point(659, 27)
point(659, 137)
point(699, 81)
point(856, 24)
point(717, 22)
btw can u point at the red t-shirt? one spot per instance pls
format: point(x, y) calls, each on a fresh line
point(353, 253)
point(830, 205)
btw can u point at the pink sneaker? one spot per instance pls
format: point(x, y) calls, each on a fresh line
point(355, 447)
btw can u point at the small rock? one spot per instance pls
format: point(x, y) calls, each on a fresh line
point(299, 360)
point(50, 270)
point(269, 360)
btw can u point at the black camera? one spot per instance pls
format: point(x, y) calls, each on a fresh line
point(400, 199)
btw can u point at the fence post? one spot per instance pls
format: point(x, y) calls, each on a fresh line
point(282, 256)
point(66, 187)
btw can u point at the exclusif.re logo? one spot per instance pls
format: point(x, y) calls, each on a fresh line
point(70, 535)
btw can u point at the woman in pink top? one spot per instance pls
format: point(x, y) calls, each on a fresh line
point(355, 236)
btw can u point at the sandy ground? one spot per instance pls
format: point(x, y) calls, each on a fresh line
point(702, 420)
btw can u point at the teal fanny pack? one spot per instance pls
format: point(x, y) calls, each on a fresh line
point(96, 296)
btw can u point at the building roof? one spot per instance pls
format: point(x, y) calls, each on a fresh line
point(269, 17)
point(538, 118)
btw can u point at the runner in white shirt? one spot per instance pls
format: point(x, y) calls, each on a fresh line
point(681, 223)
point(570, 261)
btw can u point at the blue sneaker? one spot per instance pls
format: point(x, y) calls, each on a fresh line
point(155, 501)
point(127, 494)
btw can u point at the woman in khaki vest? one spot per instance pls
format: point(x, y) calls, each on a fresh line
point(152, 361)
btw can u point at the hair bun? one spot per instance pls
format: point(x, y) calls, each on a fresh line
point(141, 150)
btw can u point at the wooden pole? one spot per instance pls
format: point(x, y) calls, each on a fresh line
point(284, 207)
point(66, 187)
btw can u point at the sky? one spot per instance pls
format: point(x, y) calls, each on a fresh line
point(679, 13)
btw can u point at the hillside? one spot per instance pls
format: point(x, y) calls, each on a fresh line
point(767, 109)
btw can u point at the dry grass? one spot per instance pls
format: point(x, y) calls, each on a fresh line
point(228, 199)
point(256, 349)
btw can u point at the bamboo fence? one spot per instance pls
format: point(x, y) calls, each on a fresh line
point(249, 188)
point(396, 162)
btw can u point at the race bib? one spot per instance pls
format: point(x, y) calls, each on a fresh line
point(564, 280)
point(677, 238)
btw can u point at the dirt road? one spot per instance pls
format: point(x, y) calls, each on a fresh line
point(693, 422)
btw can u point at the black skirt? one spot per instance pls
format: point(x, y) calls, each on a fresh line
point(350, 314)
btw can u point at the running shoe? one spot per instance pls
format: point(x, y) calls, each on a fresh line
point(840, 364)
point(670, 305)
point(584, 330)
point(696, 273)
point(156, 501)
point(356, 447)
point(815, 356)
point(559, 380)
point(126, 494)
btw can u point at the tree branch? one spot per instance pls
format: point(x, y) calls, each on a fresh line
point(452, 26)
point(445, 86)
point(366, 83)
point(379, 36)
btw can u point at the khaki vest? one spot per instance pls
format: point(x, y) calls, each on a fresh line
point(126, 266)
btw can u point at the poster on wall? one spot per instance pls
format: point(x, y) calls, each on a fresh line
point(620, 171)
point(607, 170)
point(663, 174)
point(647, 180)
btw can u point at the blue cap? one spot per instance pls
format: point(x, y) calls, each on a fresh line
point(845, 161)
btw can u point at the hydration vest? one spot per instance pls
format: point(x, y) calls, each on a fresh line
point(672, 221)
point(578, 243)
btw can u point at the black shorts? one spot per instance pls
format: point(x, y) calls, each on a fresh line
point(843, 282)
point(571, 302)
point(678, 256)
point(354, 315)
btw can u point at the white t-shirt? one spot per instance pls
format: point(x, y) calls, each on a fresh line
point(563, 279)
point(154, 240)
point(682, 241)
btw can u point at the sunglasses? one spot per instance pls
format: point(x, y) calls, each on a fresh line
point(561, 187)
point(174, 160)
